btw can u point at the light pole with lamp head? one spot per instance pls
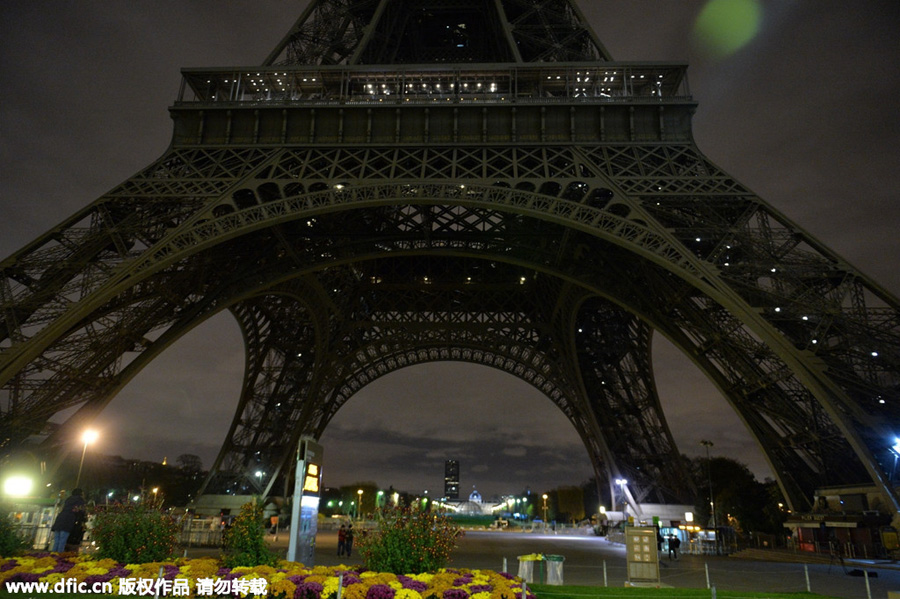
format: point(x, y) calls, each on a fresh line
point(544, 496)
point(89, 436)
point(712, 503)
point(359, 492)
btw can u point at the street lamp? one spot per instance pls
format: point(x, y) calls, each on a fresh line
point(896, 451)
point(712, 503)
point(359, 506)
point(544, 496)
point(89, 436)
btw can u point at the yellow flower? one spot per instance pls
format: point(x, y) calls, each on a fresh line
point(282, 586)
point(481, 595)
point(355, 591)
point(52, 579)
point(407, 594)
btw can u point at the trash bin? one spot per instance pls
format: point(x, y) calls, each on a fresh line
point(526, 566)
point(554, 569)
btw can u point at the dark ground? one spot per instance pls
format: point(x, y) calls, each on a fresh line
point(587, 557)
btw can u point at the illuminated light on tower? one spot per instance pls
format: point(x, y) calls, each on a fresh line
point(89, 436)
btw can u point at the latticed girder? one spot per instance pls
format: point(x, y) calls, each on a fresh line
point(501, 321)
point(379, 32)
point(613, 349)
point(785, 328)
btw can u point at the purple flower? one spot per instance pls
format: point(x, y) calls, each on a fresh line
point(462, 580)
point(62, 566)
point(380, 591)
point(97, 578)
point(9, 565)
point(222, 572)
point(308, 590)
point(506, 575)
point(119, 571)
point(349, 579)
point(480, 588)
point(455, 594)
point(170, 571)
point(412, 584)
point(24, 577)
point(297, 578)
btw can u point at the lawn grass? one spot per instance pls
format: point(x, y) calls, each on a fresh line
point(544, 591)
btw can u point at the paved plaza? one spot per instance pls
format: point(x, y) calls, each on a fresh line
point(586, 559)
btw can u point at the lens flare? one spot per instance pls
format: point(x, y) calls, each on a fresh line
point(725, 26)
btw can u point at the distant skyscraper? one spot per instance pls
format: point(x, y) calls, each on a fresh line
point(451, 479)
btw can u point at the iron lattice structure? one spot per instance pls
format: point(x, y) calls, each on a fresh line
point(406, 181)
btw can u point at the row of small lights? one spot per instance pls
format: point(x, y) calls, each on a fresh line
point(369, 86)
point(874, 354)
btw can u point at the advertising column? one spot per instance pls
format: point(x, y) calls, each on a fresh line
point(305, 505)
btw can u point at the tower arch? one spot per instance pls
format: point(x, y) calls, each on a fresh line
point(582, 191)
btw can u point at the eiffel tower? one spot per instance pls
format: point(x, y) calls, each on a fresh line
point(406, 181)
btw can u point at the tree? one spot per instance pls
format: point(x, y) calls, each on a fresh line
point(570, 503)
point(244, 542)
point(189, 463)
point(740, 500)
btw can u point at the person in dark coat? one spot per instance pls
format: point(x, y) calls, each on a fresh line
point(71, 515)
point(348, 540)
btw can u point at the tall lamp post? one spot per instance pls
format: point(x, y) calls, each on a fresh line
point(712, 503)
point(88, 436)
point(359, 505)
point(622, 482)
point(544, 496)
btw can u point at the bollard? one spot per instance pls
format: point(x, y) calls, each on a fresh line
point(160, 575)
point(605, 581)
point(713, 594)
point(505, 569)
point(868, 588)
point(806, 572)
point(706, 569)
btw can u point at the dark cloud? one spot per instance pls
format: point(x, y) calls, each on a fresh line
point(804, 114)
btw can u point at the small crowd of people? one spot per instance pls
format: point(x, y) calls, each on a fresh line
point(68, 527)
point(345, 540)
point(672, 544)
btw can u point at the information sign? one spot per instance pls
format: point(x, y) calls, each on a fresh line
point(642, 554)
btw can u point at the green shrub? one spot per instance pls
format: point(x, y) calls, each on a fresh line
point(135, 533)
point(245, 542)
point(10, 541)
point(409, 542)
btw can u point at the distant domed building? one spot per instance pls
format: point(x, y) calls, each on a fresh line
point(474, 506)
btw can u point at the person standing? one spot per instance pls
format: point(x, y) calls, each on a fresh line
point(674, 544)
point(71, 515)
point(348, 541)
point(342, 539)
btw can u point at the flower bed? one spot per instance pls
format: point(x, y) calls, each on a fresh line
point(287, 579)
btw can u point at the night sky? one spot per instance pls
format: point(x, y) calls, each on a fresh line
point(805, 114)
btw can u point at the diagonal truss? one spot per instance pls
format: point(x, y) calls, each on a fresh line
point(543, 217)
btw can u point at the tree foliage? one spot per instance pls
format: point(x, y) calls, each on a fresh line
point(135, 533)
point(10, 542)
point(245, 543)
point(409, 541)
point(741, 501)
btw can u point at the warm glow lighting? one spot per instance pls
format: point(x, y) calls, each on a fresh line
point(89, 436)
point(689, 516)
point(17, 486)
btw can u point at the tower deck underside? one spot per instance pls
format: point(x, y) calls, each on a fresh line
point(545, 226)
